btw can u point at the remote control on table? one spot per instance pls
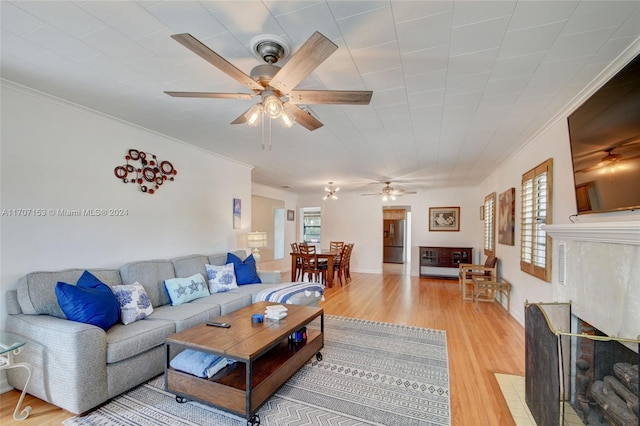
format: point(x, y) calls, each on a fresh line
point(219, 324)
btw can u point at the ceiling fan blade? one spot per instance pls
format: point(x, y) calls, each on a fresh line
point(210, 95)
point(302, 117)
point(346, 97)
point(241, 118)
point(310, 55)
point(197, 47)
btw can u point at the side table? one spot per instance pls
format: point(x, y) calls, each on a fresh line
point(484, 289)
point(11, 345)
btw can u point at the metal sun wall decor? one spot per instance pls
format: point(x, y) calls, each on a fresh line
point(149, 174)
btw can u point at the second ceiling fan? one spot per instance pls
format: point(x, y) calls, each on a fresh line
point(389, 192)
point(276, 85)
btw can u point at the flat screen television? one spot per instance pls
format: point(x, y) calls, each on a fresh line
point(604, 133)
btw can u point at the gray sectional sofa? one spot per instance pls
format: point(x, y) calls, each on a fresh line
point(77, 366)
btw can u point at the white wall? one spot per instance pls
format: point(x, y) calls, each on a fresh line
point(290, 201)
point(553, 142)
point(356, 219)
point(59, 156)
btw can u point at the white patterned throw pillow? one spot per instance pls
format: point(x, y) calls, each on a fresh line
point(221, 278)
point(134, 302)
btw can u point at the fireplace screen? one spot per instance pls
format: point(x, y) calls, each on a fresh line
point(582, 373)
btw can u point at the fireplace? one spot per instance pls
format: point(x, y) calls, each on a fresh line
point(574, 359)
point(581, 370)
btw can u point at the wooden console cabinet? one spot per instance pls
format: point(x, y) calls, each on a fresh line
point(447, 259)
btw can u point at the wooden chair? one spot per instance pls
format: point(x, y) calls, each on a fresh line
point(343, 266)
point(348, 262)
point(316, 272)
point(469, 270)
point(296, 249)
point(336, 246)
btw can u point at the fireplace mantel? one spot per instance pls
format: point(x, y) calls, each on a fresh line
point(601, 232)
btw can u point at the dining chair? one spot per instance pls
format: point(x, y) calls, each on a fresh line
point(349, 261)
point(296, 249)
point(342, 267)
point(310, 265)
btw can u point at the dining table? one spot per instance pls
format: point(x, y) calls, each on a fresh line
point(327, 254)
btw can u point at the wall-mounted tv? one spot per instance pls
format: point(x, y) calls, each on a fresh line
point(604, 133)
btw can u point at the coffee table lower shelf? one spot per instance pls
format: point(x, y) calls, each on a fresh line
point(243, 387)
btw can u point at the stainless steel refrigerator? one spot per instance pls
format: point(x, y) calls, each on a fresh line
point(393, 241)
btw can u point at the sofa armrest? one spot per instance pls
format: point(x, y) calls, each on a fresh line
point(270, 277)
point(68, 360)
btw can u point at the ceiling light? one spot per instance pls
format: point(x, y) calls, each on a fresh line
point(272, 105)
point(286, 120)
point(253, 114)
point(331, 192)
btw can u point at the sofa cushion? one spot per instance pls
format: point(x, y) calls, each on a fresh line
point(151, 274)
point(228, 301)
point(126, 341)
point(246, 271)
point(186, 315)
point(90, 301)
point(37, 290)
point(221, 278)
point(183, 290)
point(134, 302)
point(189, 265)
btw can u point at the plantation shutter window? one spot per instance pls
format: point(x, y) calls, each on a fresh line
point(535, 244)
point(490, 224)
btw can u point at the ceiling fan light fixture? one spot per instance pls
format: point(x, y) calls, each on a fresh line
point(253, 115)
point(272, 106)
point(286, 120)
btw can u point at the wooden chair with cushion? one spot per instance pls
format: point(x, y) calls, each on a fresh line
point(469, 270)
point(315, 271)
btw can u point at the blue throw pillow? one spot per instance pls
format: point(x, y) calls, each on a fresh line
point(90, 301)
point(246, 272)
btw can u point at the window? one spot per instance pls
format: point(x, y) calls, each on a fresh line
point(311, 223)
point(489, 224)
point(535, 244)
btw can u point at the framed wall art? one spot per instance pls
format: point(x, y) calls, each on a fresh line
point(237, 213)
point(444, 218)
point(291, 215)
point(506, 216)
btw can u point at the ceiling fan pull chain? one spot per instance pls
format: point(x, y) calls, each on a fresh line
point(262, 118)
point(270, 120)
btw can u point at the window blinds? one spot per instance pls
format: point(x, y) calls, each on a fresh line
point(535, 212)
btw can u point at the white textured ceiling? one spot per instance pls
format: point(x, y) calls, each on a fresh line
point(458, 86)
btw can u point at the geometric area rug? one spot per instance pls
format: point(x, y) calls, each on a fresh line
point(371, 373)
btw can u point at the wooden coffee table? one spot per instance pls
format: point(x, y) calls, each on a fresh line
point(264, 358)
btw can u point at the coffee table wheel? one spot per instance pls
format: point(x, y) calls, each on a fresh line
point(319, 356)
point(181, 399)
point(253, 420)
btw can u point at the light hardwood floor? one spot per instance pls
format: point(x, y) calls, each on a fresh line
point(480, 343)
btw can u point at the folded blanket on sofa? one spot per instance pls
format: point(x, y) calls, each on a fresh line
point(198, 363)
point(282, 293)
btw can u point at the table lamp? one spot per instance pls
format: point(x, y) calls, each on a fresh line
point(256, 240)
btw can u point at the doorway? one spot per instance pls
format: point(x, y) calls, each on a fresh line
point(396, 235)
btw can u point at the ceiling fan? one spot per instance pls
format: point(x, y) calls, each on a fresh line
point(276, 85)
point(389, 192)
point(608, 160)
